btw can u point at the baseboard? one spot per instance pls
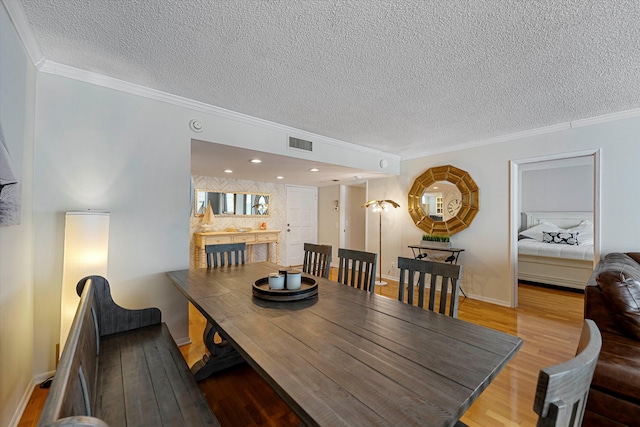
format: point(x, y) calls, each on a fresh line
point(489, 300)
point(17, 415)
point(552, 286)
point(183, 341)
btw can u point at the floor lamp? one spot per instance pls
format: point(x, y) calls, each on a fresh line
point(86, 250)
point(380, 206)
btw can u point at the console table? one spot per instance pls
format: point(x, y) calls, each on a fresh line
point(453, 258)
point(255, 237)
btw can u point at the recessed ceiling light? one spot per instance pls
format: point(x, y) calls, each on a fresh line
point(256, 161)
point(279, 177)
point(314, 170)
point(228, 171)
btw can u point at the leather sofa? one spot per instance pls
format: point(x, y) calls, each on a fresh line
point(612, 300)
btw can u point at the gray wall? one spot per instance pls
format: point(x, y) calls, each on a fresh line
point(558, 189)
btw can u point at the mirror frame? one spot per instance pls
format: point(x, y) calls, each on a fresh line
point(195, 203)
point(468, 210)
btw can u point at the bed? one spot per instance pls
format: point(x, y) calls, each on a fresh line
point(556, 248)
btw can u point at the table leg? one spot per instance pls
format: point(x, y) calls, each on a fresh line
point(199, 257)
point(221, 355)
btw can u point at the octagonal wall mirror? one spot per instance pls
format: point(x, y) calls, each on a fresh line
point(443, 200)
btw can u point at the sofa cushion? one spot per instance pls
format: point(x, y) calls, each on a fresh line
point(618, 368)
point(623, 297)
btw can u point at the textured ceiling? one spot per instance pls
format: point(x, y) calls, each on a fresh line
point(405, 77)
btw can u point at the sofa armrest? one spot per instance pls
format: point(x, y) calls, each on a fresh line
point(597, 309)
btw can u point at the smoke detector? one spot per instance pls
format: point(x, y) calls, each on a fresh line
point(195, 125)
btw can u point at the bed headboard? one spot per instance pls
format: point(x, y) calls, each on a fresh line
point(561, 219)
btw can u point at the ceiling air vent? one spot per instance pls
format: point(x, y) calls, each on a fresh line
point(300, 144)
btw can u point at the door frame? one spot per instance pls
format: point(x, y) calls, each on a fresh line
point(515, 203)
point(287, 222)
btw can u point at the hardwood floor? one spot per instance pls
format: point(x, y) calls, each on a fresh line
point(548, 320)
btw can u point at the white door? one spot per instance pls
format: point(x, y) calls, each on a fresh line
point(302, 222)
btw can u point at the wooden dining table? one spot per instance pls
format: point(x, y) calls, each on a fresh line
point(346, 357)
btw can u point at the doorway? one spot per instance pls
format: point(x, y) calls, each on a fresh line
point(517, 168)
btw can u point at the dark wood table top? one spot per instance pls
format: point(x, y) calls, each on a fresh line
point(348, 357)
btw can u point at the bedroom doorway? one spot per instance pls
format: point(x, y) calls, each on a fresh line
point(548, 200)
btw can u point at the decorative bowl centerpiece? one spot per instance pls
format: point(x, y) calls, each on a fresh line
point(269, 288)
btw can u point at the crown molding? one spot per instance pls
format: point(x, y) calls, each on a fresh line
point(606, 118)
point(494, 140)
point(23, 28)
point(58, 69)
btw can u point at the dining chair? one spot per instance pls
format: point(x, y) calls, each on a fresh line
point(562, 390)
point(357, 269)
point(442, 275)
point(216, 254)
point(317, 260)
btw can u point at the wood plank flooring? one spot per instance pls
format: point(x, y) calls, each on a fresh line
point(548, 320)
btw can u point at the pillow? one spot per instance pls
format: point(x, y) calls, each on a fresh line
point(585, 228)
point(535, 232)
point(623, 296)
point(560, 237)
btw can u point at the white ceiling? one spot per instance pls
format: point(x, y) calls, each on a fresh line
point(405, 77)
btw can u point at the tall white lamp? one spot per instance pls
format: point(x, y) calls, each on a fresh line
point(380, 206)
point(86, 250)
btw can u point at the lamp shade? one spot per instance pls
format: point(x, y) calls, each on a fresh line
point(86, 250)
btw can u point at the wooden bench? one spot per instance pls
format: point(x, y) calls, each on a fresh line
point(121, 367)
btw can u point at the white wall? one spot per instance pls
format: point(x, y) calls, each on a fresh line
point(17, 104)
point(487, 270)
point(102, 149)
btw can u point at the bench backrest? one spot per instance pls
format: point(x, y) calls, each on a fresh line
point(73, 390)
point(74, 385)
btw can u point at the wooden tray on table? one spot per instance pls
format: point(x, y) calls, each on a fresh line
point(308, 289)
